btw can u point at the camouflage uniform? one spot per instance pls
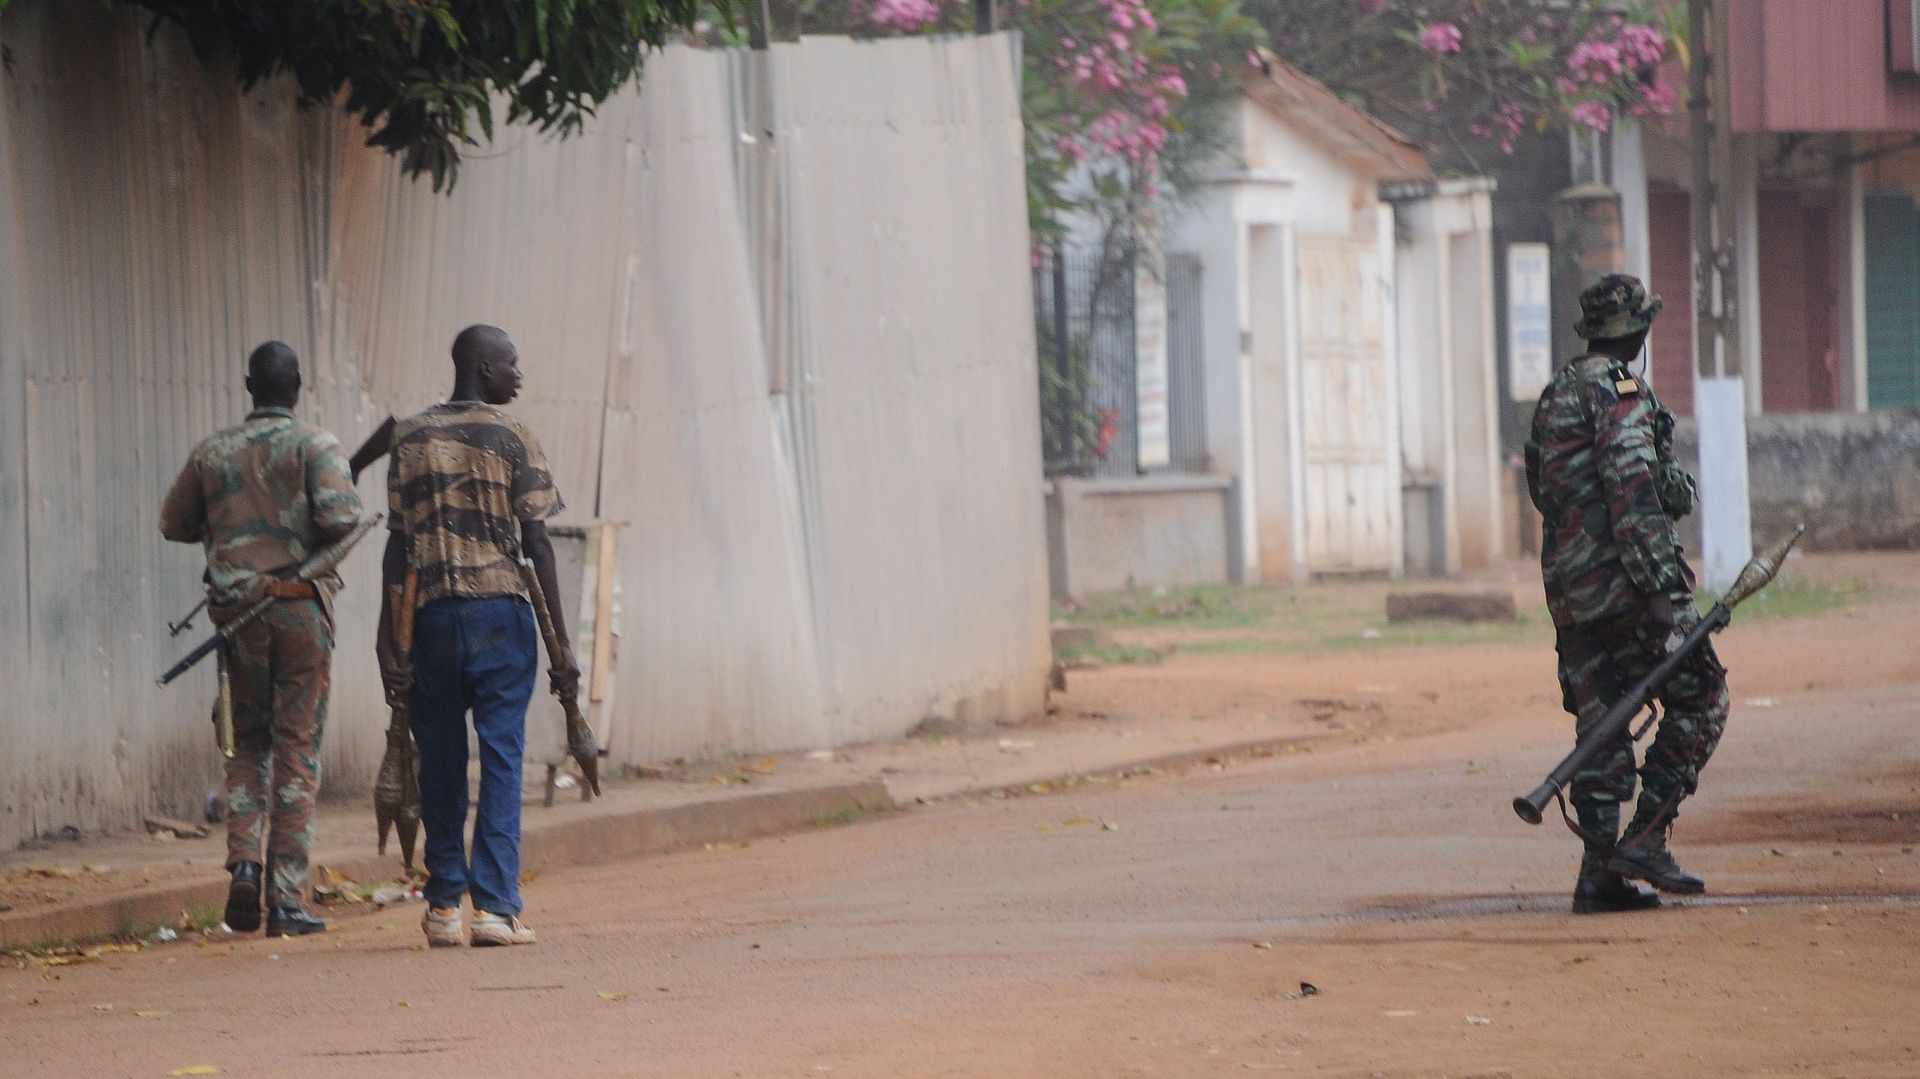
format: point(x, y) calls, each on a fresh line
point(261, 497)
point(1601, 470)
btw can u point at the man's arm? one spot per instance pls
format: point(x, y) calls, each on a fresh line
point(396, 673)
point(183, 512)
point(377, 445)
point(335, 504)
point(1623, 454)
point(538, 547)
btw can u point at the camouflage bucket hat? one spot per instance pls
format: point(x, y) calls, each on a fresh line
point(1617, 305)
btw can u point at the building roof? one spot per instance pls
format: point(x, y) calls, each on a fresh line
point(1298, 98)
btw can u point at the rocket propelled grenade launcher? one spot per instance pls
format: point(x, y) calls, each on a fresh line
point(1759, 573)
point(320, 564)
point(581, 745)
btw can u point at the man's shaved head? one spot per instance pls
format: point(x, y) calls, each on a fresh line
point(486, 365)
point(273, 375)
point(479, 343)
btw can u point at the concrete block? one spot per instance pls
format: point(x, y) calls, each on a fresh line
point(1450, 606)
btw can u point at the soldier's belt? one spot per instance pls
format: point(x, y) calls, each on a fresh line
point(292, 590)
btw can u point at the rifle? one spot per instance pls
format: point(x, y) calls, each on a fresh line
point(396, 790)
point(318, 565)
point(1759, 573)
point(580, 741)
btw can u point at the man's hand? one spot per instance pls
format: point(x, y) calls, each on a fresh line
point(565, 680)
point(397, 680)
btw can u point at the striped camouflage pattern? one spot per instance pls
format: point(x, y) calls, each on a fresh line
point(463, 477)
point(261, 497)
point(1601, 470)
point(280, 669)
point(1595, 471)
point(1598, 664)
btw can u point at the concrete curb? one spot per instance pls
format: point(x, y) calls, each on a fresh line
point(1254, 749)
point(589, 840)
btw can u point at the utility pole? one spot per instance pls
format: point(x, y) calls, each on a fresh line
point(1720, 394)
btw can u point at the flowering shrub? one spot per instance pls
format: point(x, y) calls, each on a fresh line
point(1456, 72)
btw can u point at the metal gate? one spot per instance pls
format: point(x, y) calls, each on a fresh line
point(1346, 414)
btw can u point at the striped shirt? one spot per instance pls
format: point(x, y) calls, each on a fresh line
point(464, 475)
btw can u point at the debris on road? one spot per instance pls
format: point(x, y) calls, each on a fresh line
point(179, 829)
point(1479, 1021)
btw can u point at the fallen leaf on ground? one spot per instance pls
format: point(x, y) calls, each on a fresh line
point(153, 1013)
point(63, 960)
point(1043, 827)
point(196, 1069)
point(1263, 945)
point(1400, 1014)
point(1079, 822)
point(765, 766)
point(103, 1007)
point(1479, 1021)
point(611, 996)
point(1109, 826)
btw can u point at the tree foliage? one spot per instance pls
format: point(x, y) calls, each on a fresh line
point(1468, 76)
point(421, 74)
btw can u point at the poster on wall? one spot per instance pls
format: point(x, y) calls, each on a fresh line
point(1150, 352)
point(1529, 321)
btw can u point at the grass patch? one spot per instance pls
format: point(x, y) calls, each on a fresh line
point(1798, 597)
point(1209, 606)
point(1106, 653)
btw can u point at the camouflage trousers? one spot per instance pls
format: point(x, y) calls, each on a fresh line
point(1598, 665)
point(279, 667)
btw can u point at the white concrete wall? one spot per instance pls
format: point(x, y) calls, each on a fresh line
point(1449, 391)
point(814, 412)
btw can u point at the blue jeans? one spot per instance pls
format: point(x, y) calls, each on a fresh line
point(483, 655)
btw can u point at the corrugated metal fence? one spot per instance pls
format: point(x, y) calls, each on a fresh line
point(773, 318)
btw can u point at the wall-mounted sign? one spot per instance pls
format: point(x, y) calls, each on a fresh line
point(1529, 321)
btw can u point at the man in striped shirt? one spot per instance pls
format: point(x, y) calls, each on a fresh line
point(470, 494)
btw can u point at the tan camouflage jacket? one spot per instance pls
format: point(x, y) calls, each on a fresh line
point(261, 497)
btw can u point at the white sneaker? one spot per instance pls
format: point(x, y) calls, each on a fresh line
point(443, 927)
point(491, 930)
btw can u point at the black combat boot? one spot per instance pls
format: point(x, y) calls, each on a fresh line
point(243, 898)
point(1643, 853)
point(1599, 890)
point(293, 922)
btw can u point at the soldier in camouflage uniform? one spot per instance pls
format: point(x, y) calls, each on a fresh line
point(1601, 470)
point(261, 497)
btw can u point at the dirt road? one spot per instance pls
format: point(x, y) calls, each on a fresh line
point(1161, 925)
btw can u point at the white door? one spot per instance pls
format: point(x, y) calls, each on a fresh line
point(1348, 441)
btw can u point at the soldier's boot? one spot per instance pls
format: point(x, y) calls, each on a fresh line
point(293, 922)
point(1643, 854)
point(1599, 890)
point(243, 898)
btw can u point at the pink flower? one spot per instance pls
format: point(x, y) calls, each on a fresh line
point(906, 15)
point(1566, 86)
point(1596, 61)
point(1172, 83)
point(1593, 114)
point(1440, 38)
point(1641, 45)
point(1657, 99)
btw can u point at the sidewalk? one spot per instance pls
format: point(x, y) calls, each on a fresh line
point(130, 884)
